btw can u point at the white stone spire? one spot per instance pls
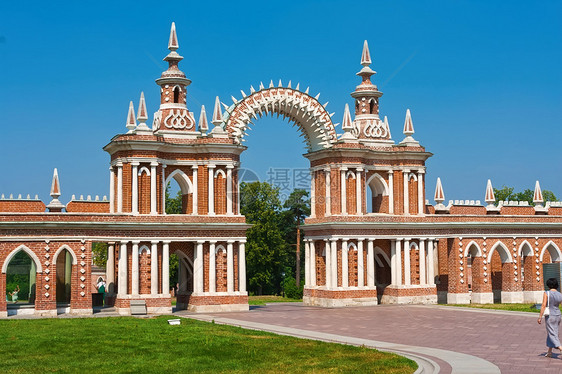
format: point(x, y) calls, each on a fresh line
point(409, 131)
point(387, 127)
point(142, 115)
point(173, 43)
point(347, 125)
point(218, 131)
point(439, 195)
point(203, 124)
point(131, 122)
point(537, 196)
point(490, 198)
point(55, 205)
point(366, 55)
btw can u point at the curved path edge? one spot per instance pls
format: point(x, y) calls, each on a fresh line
point(460, 363)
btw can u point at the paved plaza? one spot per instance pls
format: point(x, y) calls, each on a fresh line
point(457, 339)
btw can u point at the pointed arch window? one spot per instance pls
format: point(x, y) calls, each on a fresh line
point(177, 91)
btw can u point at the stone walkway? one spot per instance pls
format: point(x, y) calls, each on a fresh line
point(457, 339)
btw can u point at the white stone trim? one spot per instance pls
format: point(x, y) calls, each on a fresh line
point(30, 253)
point(520, 250)
point(557, 251)
point(478, 250)
point(64, 246)
point(506, 257)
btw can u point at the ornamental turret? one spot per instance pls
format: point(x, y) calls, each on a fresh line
point(367, 124)
point(173, 116)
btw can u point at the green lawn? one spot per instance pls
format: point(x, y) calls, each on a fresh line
point(132, 345)
point(266, 299)
point(512, 307)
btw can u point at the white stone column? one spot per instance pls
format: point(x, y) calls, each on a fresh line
point(135, 194)
point(406, 192)
point(123, 279)
point(198, 268)
point(153, 166)
point(229, 266)
point(306, 263)
point(360, 264)
point(166, 268)
point(391, 191)
point(119, 187)
point(421, 200)
point(359, 191)
point(110, 268)
point(312, 268)
point(328, 192)
point(344, 264)
point(393, 266)
point(407, 269)
point(343, 190)
point(328, 260)
point(154, 268)
point(229, 201)
point(135, 268)
point(242, 266)
point(398, 262)
point(111, 190)
point(334, 263)
point(312, 193)
point(164, 188)
point(370, 264)
point(195, 197)
point(430, 263)
point(211, 191)
point(422, 262)
point(212, 267)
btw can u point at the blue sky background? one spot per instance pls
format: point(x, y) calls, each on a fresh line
point(482, 78)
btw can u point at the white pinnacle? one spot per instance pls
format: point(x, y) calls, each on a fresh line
point(439, 195)
point(537, 196)
point(131, 122)
point(366, 55)
point(203, 124)
point(217, 113)
point(173, 42)
point(490, 197)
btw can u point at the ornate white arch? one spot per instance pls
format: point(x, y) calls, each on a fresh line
point(144, 169)
point(182, 179)
point(520, 251)
point(379, 251)
point(74, 258)
point(504, 252)
point(311, 117)
point(557, 252)
point(182, 255)
point(414, 246)
point(29, 252)
point(378, 185)
point(412, 176)
point(219, 248)
point(350, 174)
point(478, 250)
point(220, 172)
point(351, 246)
point(144, 248)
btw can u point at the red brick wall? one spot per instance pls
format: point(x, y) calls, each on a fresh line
point(22, 206)
point(88, 207)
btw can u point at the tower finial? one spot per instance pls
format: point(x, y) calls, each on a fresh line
point(347, 125)
point(218, 131)
point(366, 55)
point(55, 205)
point(142, 115)
point(490, 197)
point(173, 42)
point(203, 124)
point(409, 131)
point(439, 195)
point(537, 196)
point(131, 122)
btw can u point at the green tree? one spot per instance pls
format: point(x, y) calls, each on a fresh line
point(506, 193)
point(173, 204)
point(99, 252)
point(265, 249)
point(297, 207)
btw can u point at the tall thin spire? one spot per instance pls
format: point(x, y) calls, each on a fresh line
point(55, 205)
point(217, 113)
point(131, 122)
point(409, 131)
point(439, 195)
point(142, 115)
point(490, 198)
point(366, 55)
point(203, 124)
point(173, 42)
point(347, 125)
point(537, 196)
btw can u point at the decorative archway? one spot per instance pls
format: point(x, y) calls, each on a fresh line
point(377, 189)
point(311, 117)
point(553, 251)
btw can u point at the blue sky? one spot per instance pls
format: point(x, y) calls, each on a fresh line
point(482, 79)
